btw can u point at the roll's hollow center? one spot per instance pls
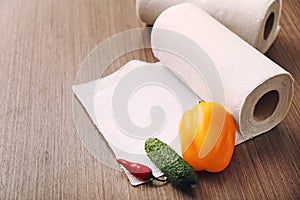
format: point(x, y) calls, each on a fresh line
point(266, 105)
point(269, 25)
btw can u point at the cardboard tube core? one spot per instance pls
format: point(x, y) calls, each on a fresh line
point(266, 105)
point(269, 25)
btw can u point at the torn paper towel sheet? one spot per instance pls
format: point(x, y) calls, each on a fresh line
point(255, 21)
point(258, 92)
point(139, 101)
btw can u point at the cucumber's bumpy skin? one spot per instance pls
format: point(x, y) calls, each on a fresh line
point(179, 172)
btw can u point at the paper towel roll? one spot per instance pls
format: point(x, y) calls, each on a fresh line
point(257, 91)
point(256, 21)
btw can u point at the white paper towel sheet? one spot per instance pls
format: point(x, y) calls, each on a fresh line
point(140, 88)
point(256, 21)
point(257, 91)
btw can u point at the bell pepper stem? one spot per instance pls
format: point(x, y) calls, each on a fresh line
point(201, 101)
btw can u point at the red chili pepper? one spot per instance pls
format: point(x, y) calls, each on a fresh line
point(140, 171)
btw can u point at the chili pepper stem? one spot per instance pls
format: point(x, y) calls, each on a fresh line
point(159, 181)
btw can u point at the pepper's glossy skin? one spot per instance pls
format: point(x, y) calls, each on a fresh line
point(140, 171)
point(207, 135)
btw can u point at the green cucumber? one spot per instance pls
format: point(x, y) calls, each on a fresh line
point(179, 172)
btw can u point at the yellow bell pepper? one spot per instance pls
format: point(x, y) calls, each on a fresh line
point(207, 136)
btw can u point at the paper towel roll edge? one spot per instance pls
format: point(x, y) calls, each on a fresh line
point(267, 34)
point(141, 7)
point(264, 95)
point(142, 10)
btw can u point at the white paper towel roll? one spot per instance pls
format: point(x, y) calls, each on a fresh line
point(257, 91)
point(256, 21)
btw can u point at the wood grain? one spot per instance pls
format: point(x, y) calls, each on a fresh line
point(42, 45)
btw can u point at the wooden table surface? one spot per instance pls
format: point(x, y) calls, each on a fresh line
point(42, 45)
